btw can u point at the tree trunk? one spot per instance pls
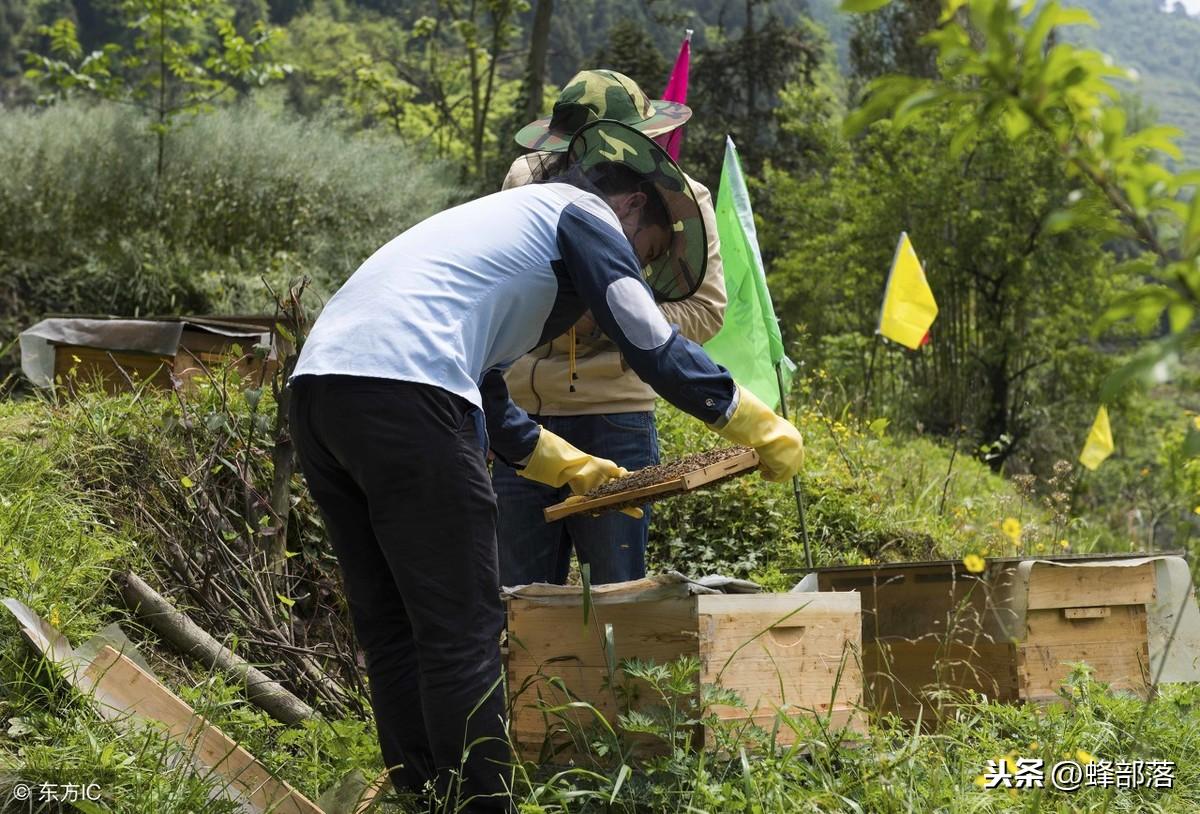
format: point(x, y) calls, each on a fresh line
point(996, 421)
point(535, 66)
point(283, 461)
point(189, 638)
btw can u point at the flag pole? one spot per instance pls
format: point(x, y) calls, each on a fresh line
point(796, 489)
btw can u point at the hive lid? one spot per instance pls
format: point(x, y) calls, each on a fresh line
point(672, 585)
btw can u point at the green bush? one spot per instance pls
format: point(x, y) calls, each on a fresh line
point(75, 476)
point(869, 497)
point(85, 228)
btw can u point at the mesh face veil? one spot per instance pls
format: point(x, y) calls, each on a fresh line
point(679, 271)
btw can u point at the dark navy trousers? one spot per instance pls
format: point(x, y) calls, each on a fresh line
point(401, 480)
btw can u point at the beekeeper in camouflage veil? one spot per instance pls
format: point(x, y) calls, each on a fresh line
point(578, 384)
point(400, 390)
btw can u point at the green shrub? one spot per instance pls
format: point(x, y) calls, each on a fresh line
point(868, 497)
point(84, 228)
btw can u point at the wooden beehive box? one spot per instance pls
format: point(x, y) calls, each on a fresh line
point(1093, 614)
point(112, 369)
point(795, 653)
point(203, 344)
point(933, 630)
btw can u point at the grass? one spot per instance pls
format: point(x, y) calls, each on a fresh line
point(870, 495)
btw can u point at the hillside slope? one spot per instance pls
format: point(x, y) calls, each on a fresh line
point(1165, 50)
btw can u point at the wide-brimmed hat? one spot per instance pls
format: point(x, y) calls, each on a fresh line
point(678, 273)
point(594, 95)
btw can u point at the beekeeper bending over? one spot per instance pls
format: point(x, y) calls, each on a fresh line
point(399, 392)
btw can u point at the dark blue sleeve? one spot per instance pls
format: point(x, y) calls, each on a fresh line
point(606, 273)
point(512, 434)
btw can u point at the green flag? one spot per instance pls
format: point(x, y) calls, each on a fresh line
point(749, 343)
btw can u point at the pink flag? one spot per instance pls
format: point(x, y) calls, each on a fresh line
point(677, 92)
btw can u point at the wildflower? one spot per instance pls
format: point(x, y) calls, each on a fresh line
point(1040, 548)
point(868, 561)
point(974, 563)
point(1012, 529)
point(1033, 747)
point(1196, 422)
point(1084, 756)
point(1063, 544)
point(1145, 471)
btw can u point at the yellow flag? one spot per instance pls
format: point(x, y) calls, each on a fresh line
point(908, 305)
point(1099, 444)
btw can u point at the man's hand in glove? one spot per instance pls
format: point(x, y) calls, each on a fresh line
point(779, 445)
point(555, 462)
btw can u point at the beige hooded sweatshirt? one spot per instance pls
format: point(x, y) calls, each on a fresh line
point(540, 381)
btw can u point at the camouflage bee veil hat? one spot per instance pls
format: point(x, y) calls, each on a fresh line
point(678, 273)
point(594, 95)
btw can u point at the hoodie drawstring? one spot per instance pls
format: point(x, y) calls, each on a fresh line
point(571, 358)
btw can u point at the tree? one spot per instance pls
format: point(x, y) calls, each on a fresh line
point(738, 84)
point(1008, 73)
point(185, 54)
point(631, 51)
point(12, 19)
point(437, 81)
point(1012, 332)
point(889, 40)
point(1013, 75)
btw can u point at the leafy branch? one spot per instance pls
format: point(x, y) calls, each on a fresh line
point(1001, 63)
point(184, 55)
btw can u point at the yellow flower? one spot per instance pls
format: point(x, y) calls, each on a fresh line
point(1084, 757)
point(54, 618)
point(974, 563)
point(981, 781)
point(1012, 529)
point(1145, 471)
point(867, 561)
point(1033, 747)
point(1196, 422)
point(1063, 544)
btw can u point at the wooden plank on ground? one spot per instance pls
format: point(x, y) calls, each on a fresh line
point(122, 689)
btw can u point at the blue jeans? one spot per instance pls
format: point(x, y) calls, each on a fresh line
point(613, 544)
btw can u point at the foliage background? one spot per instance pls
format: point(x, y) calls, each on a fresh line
point(359, 118)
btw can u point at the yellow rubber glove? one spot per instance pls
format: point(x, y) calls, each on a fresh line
point(554, 462)
point(779, 445)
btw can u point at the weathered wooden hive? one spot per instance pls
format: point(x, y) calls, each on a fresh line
point(120, 354)
point(790, 653)
point(932, 630)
